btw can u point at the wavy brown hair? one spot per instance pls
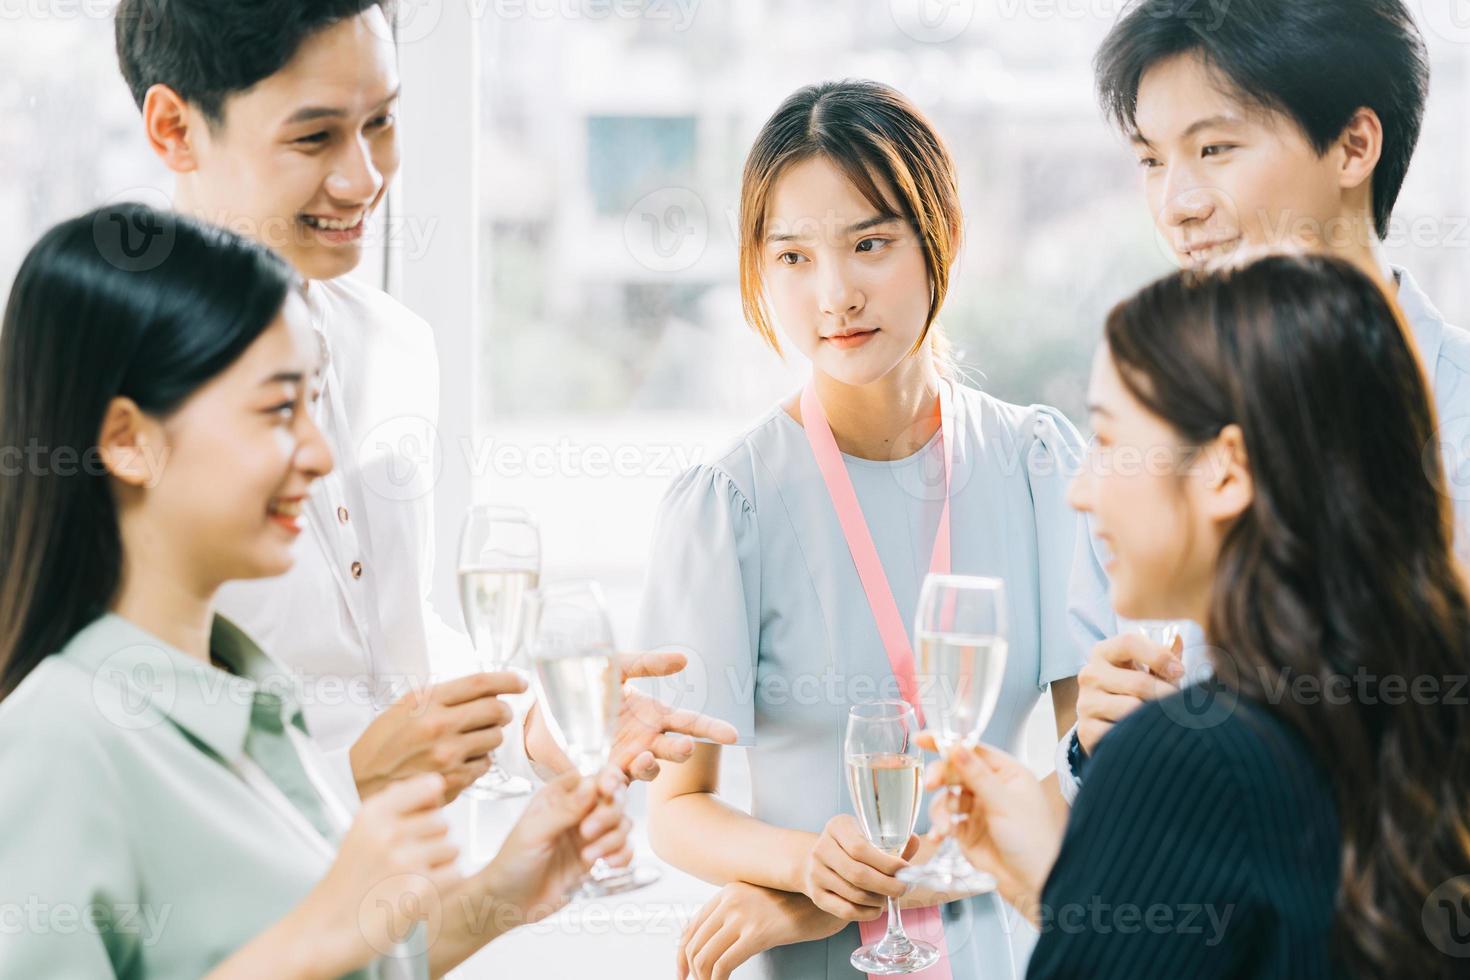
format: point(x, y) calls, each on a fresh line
point(1342, 566)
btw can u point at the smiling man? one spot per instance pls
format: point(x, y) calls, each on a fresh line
point(277, 119)
point(1290, 124)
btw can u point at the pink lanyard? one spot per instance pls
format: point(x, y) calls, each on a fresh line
point(891, 629)
point(921, 923)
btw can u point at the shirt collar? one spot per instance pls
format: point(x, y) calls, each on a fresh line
point(210, 704)
point(1426, 322)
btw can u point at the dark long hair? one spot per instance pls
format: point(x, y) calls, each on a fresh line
point(1342, 566)
point(122, 302)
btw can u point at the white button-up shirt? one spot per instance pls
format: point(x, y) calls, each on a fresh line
point(353, 617)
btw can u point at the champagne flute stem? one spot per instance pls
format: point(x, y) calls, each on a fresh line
point(895, 937)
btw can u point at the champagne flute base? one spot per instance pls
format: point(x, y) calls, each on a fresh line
point(621, 881)
point(948, 876)
point(496, 785)
point(907, 956)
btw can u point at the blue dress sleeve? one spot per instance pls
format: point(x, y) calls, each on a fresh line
point(702, 597)
point(1075, 610)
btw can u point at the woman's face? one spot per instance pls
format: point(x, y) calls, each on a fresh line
point(847, 285)
point(242, 452)
point(1153, 504)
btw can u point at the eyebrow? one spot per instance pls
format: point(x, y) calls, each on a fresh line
point(284, 378)
point(852, 229)
point(311, 113)
point(1096, 409)
point(1210, 121)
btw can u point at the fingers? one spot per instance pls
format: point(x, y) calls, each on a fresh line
point(651, 664)
point(482, 685)
point(1128, 649)
point(699, 938)
point(672, 748)
point(562, 804)
point(1111, 708)
point(644, 767)
point(481, 713)
point(437, 854)
point(731, 959)
point(423, 792)
point(977, 772)
point(427, 826)
point(860, 850)
point(828, 880)
point(692, 929)
point(696, 725)
point(711, 950)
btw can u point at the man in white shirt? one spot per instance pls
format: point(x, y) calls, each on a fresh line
point(1284, 123)
point(277, 119)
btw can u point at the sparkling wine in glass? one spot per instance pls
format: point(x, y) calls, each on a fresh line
point(960, 664)
point(499, 561)
point(884, 775)
point(579, 683)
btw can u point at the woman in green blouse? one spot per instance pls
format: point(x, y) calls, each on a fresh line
point(162, 812)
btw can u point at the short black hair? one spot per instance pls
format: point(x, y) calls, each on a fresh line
point(1315, 61)
point(208, 50)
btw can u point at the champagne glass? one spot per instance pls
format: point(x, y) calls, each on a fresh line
point(579, 683)
point(960, 665)
point(884, 775)
point(1161, 632)
point(499, 560)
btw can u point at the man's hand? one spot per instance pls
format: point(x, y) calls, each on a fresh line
point(648, 729)
point(743, 920)
point(1114, 682)
point(450, 728)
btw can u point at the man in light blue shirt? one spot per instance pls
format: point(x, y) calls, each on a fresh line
point(1282, 124)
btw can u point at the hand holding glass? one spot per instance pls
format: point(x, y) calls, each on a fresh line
point(884, 770)
point(960, 665)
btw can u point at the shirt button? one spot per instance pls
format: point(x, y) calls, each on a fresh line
point(357, 569)
point(342, 514)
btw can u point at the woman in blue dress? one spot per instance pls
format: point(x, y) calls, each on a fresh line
point(849, 225)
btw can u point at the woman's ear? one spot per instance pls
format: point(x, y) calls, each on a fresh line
point(1230, 488)
point(131, 444)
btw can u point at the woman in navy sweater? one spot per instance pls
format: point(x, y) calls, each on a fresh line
point(1266, 464)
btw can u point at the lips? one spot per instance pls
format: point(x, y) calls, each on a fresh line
point(1205, 251)
point(851, 338)
point(336, 230)
point(287, 512)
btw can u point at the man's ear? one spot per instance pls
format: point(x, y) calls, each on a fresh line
point(170, 126)
point(130, 444)
point(1361, 144)
point(1231, 487)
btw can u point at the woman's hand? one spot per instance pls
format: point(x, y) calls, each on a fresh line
point(846, 876)
point(648, 729)
point(568, 825)
point(743, 920)
point(1010, 828)
point(392, 870)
